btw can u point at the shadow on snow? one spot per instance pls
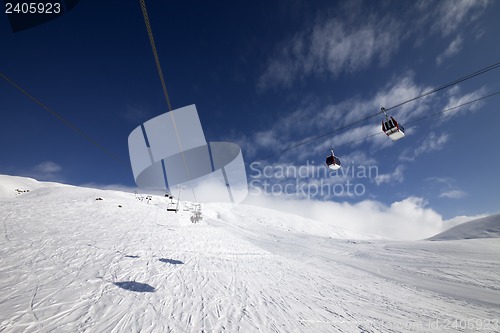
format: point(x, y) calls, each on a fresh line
point(135, 286)
point(171, 261)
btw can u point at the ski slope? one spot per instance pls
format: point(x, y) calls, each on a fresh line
point(486, 227)
point(71, 263)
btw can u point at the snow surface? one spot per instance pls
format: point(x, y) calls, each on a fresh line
point(71, 263)
point(11, 186)
point(486, 227)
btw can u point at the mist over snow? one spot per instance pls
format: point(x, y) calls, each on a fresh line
point(408, 219)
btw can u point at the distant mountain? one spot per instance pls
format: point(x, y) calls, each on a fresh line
point(486, 227)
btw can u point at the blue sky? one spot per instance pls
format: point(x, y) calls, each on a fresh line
point(267, 74)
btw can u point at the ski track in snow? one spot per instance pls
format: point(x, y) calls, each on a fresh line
point(69, 263)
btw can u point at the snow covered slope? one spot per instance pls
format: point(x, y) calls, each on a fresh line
point(486, 227)
point(10, 186)
point(71, 263)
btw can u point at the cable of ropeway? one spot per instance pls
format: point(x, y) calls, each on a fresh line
point(155, 52)
point(418, 119)
point(448, 85)
point(413, 121)
point(453, 108)
point(407, 125)
point(65, 121)
point(164, 86)
point(430, 92)
point(76, 128)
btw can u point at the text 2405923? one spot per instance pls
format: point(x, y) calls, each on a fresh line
point(32, 7)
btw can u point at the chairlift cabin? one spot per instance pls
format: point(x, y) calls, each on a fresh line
point(332, 161)
point(173, 207)
point(392, 128)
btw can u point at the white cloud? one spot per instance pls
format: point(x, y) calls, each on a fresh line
point(309, 121)
point(453, 194)
point(267, 139)
point(452, 49)
point(359, 158)
point(45, 171)
point(461, 219)
point(394, 177)
point(446, 187)
point(453, 14)
point(457, 98)
point(442, 180)
point(432, 142)
point(136, 114)
point(47, 167)
point(332, 46)
point(446, 16)
point(121, 188)
point(355, 36)
point(408, 219)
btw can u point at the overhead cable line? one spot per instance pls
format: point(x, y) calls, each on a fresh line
point(155, 52)
point(317, 137)
point(453, 108)
point(164, 86)
point(452, 83)
point(425, 117)
point(430, 92)
point(65, 121)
